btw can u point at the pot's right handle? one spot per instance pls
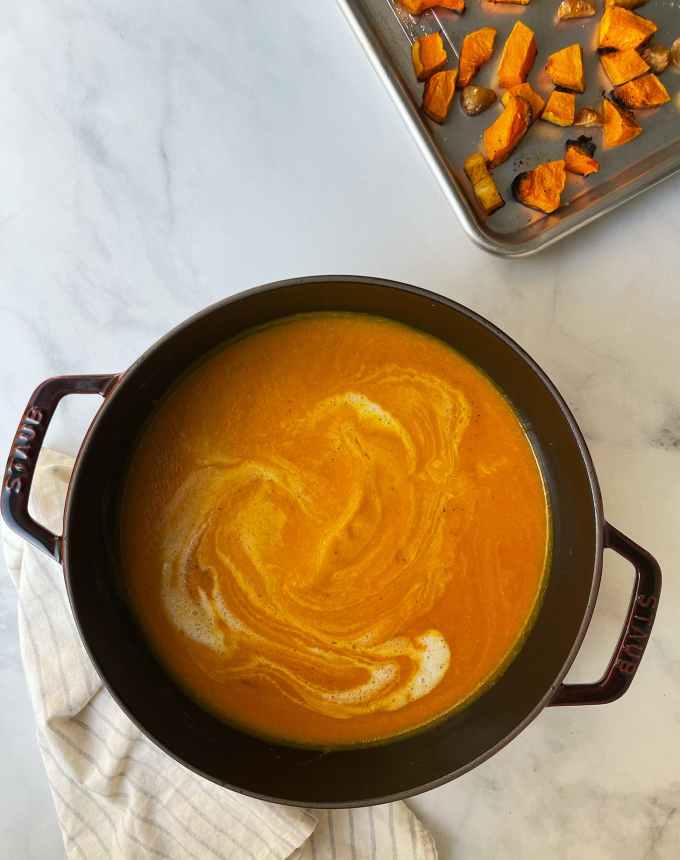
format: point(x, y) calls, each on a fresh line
point(636, 630)
point(23, 455)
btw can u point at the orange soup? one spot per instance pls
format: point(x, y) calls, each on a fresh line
point(334, 530)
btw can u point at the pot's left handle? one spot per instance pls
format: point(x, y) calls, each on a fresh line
point(23, 455)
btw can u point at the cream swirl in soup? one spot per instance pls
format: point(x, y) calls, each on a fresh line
point(355, 493)
point(334, 529)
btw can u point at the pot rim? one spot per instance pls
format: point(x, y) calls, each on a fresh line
point(595, 492)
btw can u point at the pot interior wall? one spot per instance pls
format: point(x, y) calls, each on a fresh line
point(313, 777)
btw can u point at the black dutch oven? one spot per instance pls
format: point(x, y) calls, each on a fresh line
point(357, 776)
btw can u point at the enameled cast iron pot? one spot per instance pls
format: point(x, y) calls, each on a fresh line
point(88, 552)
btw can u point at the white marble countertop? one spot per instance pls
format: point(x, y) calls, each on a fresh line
point(157, 157)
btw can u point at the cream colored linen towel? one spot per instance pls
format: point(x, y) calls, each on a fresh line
point(119, 796)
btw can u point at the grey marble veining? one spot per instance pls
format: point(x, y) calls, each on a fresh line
point(157, 157)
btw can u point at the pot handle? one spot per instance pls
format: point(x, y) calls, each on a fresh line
point(26, 446)
point(636, 629)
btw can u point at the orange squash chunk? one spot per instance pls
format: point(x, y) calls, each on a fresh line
point(565, 69)
point(503, 135)
point(526, 91)
point(439, 91)
point(477, 49)
point(578, 156)
point(618, 126)
point(542, 187)
point(622, 66)
point(644, 92)
point(519, 53)
point(428, 55)
point(560, 109)
point(622, 29)
point(417, 7)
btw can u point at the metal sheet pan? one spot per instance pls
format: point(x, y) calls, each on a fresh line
point(386, 30)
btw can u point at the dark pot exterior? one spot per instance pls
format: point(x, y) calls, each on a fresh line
point(88, 551)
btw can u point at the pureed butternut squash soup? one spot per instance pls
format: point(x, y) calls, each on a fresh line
point(334, 530)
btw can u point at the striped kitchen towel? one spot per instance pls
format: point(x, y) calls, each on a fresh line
point(119, 796)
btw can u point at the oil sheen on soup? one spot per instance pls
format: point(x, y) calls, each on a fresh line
point(334, 530)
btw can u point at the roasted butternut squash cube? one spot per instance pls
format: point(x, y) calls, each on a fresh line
point(483, 184)
point(622, 66)
point(644, 92)
point(417, 7)
point(477, 50)
point(578, 156)
point(560, 109)
point(429, 55)
point(542, 187)
point(503, 135)
point(622, 29)
point(438, 94)
point(519, 53)
point(488, 195)
point(475, 167)
point(569, 9)
point(618, 126)
point(565, 69)
point(526, 91)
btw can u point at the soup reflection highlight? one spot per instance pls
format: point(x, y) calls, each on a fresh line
point(310, 543)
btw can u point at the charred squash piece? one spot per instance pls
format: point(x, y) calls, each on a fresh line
point(525, 91)
point(542, 187)
point(565, 69)
point(417, 7)
point(644, 92)
point(625, 4)
point(560, 109)
point(578, 156)
point(429, 55)
point(503, 135)
point(482, 183)
point(438, 94)
point(618, 126)
point(622, 66)
point(622, 29)
point(519, 53)
point(569, 9)
point(477, 49)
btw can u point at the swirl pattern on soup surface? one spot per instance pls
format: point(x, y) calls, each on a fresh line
point(334, 530)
